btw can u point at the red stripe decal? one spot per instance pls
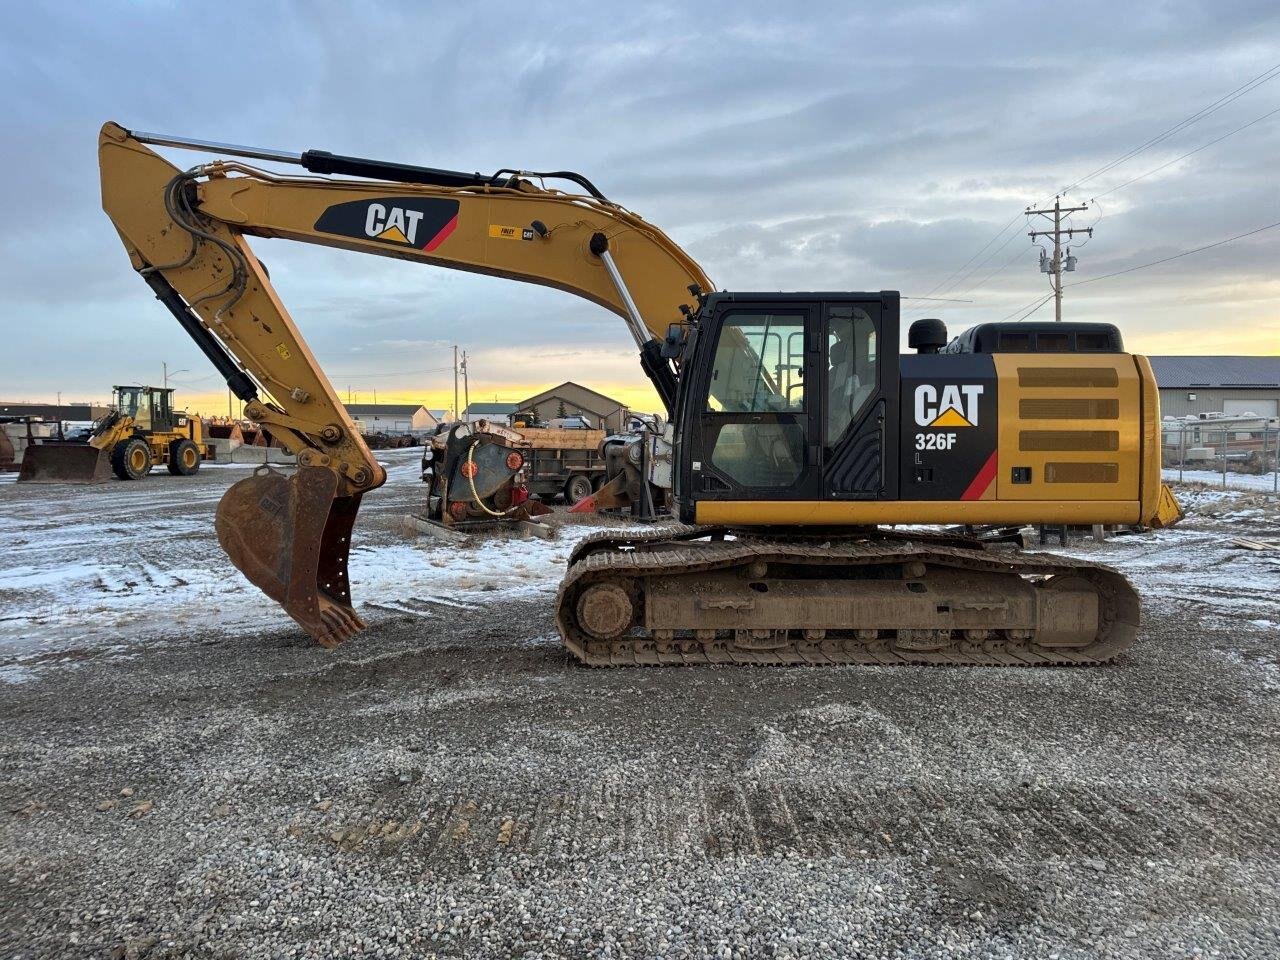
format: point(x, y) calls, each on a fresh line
point(443, 235)
point(978, 486)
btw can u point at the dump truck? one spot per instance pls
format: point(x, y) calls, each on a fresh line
point(562, 462)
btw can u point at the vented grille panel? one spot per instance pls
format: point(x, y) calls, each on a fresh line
point(1069, 440)
point(1067, 377)
point(1079, 409)
point(1081, 472)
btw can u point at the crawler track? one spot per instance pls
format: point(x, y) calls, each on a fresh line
point(990, 603)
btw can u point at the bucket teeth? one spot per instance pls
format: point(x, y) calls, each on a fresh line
point(340, 624)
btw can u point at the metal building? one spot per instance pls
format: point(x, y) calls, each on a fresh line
point(394, 418)
point(77, 412)
point(1225, 384)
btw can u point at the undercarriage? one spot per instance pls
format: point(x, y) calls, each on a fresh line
point(877, 597)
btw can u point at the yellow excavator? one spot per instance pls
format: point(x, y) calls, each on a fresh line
point(800, 435)
point(141, 431)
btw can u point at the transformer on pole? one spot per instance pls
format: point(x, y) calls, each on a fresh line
point(1056, 264)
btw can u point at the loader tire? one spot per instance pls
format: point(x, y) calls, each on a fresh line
point(577, 488)
point(184, 457)
point(131, 459)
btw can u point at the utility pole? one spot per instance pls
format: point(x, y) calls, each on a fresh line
point(1056, 266)
point(457, 414)
point(166, 375)
point(466, 381)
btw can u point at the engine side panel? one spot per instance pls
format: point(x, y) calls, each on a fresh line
point(1070, 427)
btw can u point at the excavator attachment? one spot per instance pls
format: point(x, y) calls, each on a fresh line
point(613, 495)
point(290, 537)
point(65, 463)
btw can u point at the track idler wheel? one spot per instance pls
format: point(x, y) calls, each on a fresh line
point(290, 537)
point(605, 610)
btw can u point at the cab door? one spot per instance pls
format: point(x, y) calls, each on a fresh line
point(756, 435)
point(142, 414)
point(859, 390)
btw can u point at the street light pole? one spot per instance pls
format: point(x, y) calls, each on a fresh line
point(175, 373)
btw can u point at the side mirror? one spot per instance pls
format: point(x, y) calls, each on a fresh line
point(673, 343)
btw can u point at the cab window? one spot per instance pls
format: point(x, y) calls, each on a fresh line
point(851, 367)
point(759, 364)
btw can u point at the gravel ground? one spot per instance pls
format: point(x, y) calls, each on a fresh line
point(449, 784)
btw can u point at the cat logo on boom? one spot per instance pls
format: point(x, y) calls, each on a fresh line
point(396, 223)
point(420, 222)
point(955, 406)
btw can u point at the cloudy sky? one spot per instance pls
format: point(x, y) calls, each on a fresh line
point(851, 146)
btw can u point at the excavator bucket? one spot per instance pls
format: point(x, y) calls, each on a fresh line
point(64, 463)
point(290, 536)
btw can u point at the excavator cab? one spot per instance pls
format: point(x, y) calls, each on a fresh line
point(786, 397)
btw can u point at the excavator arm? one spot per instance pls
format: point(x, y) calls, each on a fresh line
point(185, 232)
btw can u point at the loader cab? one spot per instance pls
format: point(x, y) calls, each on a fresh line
point(788, 397)
point(150, 407)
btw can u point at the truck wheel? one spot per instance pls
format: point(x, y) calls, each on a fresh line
point(184, 457)
point(131, 459)
point(577, 488)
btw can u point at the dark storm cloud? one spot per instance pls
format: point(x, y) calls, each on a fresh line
point(852, 145)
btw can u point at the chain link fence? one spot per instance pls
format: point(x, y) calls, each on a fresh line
point(1235, 453)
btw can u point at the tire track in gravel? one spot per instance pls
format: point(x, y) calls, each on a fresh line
point(732, 820)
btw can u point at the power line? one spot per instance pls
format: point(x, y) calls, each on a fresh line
point(979, 265)
point(978, 286)
point(960, 275)
point(1177, 256)
point(1143, 176)
point(387, 373)
point(984, 261)
point(1027, 309)
point(997, 270)
point(1036, 308)
point(1196, 117)
point(997, 236)
point(1038, 303)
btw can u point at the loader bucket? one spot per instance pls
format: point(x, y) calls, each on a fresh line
point(290, 536)
point(64, 463)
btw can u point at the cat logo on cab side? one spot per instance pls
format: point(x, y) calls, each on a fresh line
point(955, 406)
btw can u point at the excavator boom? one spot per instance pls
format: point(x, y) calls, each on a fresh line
point(185, 232)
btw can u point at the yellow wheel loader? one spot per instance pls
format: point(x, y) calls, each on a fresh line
point(800, 434)
point(141, 431)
